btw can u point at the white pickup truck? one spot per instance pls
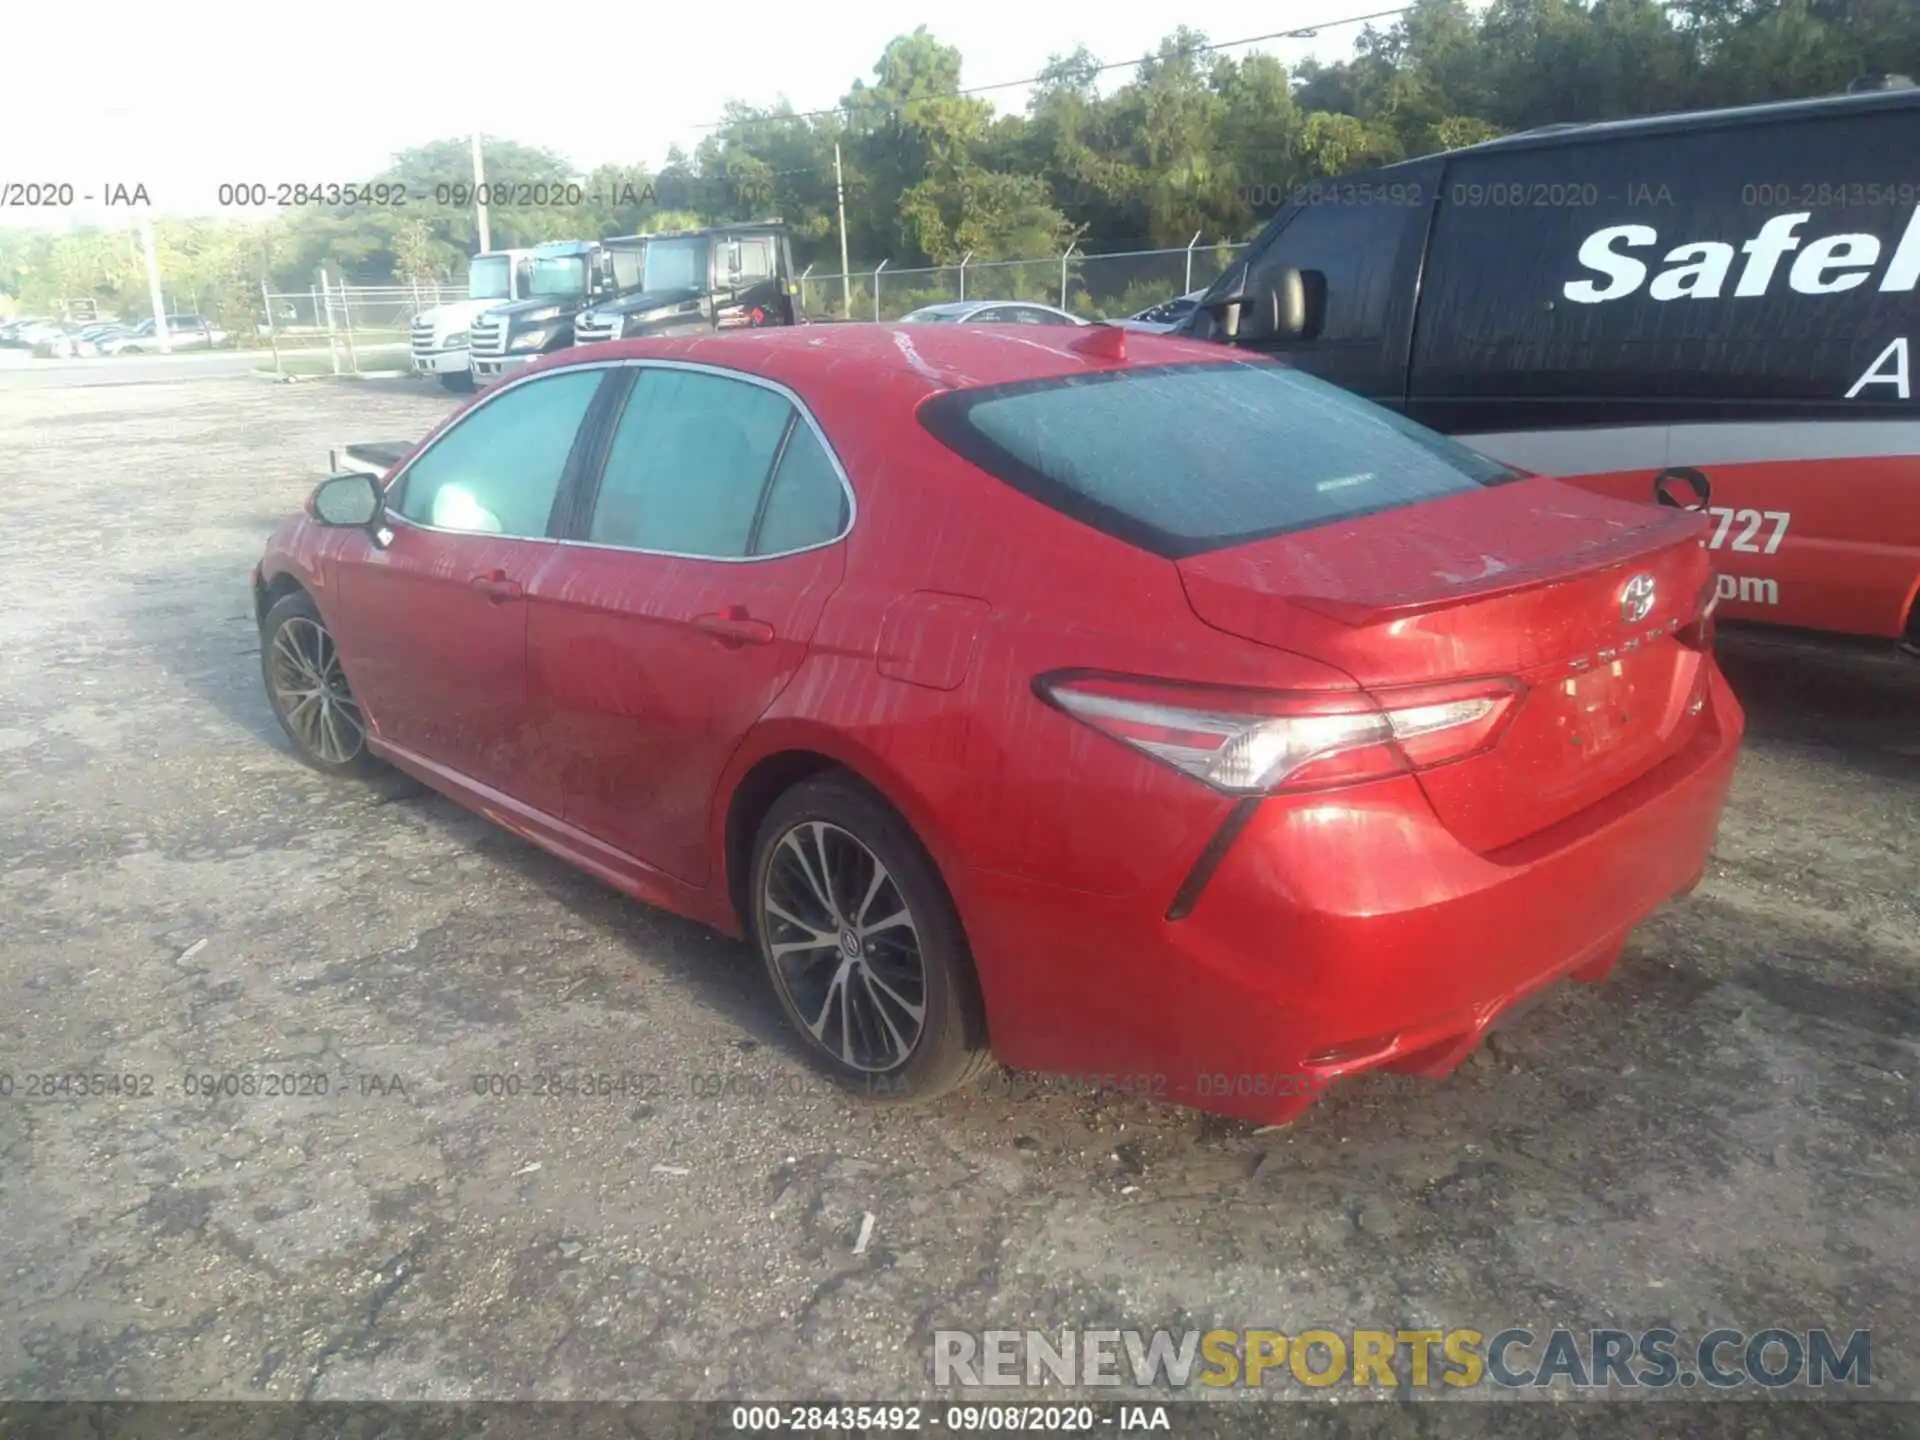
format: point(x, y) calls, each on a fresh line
point(439, 336)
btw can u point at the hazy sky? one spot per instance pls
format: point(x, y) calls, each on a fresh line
point(181, 97)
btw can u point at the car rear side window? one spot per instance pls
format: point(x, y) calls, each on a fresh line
point(688, 464)
point(1181, 459)
point(807, 505)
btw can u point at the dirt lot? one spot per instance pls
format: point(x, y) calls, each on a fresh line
point(1723, 1134)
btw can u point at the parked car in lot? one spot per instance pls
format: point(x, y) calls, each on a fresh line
point(1167, 315)
point(10, 331)
point(1108, 703)
point(104, 334)
point(29, 331)
point(1713, 309)
point(66, 342)
point(54, 339)
point(184, 332)
point(990, 312)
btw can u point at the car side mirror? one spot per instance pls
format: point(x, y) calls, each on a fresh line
point(347, 501)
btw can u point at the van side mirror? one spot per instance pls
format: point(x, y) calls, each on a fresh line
point(1287, 305)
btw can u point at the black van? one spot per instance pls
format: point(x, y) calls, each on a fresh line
point(1714, 309)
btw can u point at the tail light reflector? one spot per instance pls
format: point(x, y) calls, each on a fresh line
point(1254, 742)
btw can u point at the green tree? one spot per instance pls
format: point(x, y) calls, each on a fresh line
point(1191, 141)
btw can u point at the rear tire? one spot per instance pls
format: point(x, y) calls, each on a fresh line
point(460, 381)
point(300, 666)
point(864, 948)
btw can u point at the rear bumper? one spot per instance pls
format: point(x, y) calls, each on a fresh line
point(1347, 933)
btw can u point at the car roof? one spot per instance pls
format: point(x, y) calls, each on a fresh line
point(910, 362)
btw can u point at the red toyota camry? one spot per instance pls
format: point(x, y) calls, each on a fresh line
point(1102, 702)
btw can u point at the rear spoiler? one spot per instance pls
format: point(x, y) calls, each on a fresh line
point(1674, 526)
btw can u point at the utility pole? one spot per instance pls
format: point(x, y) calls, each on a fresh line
point(479, 194)
point(160, 335)
point(840, 203)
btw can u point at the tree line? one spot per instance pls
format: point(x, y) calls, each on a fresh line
point(1195, 141)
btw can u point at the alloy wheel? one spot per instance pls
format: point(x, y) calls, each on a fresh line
point(844, 947)
point(310, 691)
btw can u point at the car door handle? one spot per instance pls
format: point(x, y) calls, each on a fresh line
point(496, 586)
point(735, 627)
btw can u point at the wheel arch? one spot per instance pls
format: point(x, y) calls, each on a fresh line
point(270, 590)
point(787, 756)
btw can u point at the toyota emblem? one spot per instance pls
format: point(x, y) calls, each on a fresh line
point(1636, 601)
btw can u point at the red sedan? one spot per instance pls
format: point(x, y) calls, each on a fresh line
point(1102, 702)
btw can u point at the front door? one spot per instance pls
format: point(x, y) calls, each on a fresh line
point(435, 622)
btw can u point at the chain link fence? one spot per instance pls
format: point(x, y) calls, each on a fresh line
point(1095, 287)
point(338, 329)
point(346, 329)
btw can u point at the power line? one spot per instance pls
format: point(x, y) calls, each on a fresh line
point(1303, 32)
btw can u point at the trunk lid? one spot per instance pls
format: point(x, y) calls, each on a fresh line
point(1528, 580)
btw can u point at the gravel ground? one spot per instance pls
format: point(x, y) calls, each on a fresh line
point(1722, 1134)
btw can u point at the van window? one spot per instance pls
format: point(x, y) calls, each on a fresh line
point(1181, 459)
point(1354, 246)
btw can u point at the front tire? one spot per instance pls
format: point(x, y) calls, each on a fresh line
point(863, 945)
point(458, 381)
point(300, 665)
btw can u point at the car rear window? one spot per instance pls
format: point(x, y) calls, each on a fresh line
point(1182, 459)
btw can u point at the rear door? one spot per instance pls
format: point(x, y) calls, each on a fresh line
point(1734, 298)
point(691, 584)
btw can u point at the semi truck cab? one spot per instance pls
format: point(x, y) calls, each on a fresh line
point(438, 337)
point(692, 281)
point(563, 278)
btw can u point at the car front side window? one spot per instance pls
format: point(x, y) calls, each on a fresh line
point(498, 470)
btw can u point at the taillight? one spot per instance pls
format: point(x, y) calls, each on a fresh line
point(1697, 633)
point(1255, 742)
